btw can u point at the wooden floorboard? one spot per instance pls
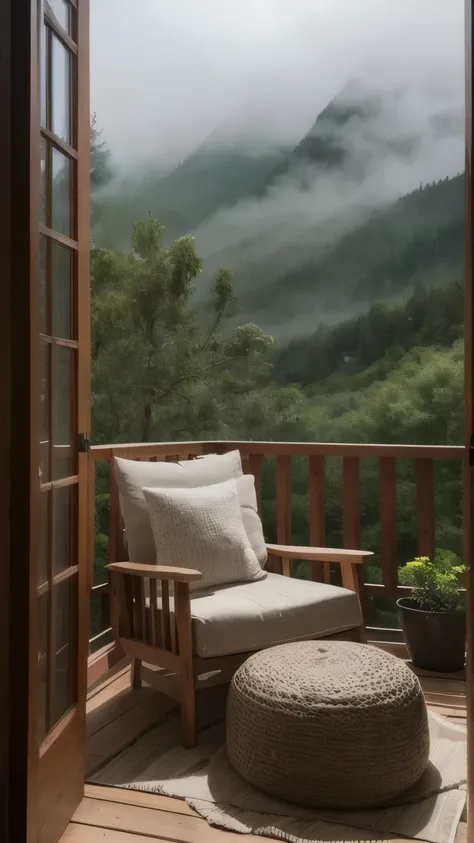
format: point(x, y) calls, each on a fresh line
point(116, 716)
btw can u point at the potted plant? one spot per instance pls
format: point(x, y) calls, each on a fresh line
point(434, 616)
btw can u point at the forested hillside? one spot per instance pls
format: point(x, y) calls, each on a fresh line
point(419, 240)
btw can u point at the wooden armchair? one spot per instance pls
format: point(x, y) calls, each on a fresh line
point(202, 640)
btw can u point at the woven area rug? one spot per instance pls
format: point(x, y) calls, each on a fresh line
point(156, 763)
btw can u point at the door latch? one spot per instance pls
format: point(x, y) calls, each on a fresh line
point(84, 443)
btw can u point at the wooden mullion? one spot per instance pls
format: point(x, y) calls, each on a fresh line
point(62, 343)
point(60, 484)
point(66, 574)
point(60, 144)
point(42, 589)
point(49, 86)
point(74, 130)
point(52, 622)
point(49, 275)
point(91, 522)
point(74, 421)
point(62, 239)
point(74, 290)
point(72, 638)
point(74, 99)
point(54, 25)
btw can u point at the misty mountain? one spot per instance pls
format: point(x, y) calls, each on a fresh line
point(325, 145)
point(212, 177)
point(219, 173)
point(418, 240)
point(313, 233)
point(326, 234)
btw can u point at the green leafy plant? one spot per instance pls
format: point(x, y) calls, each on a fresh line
point(436, 582)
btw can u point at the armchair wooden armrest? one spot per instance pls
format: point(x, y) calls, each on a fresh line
point(352, 578)
point(155, 572)
point(318, 554)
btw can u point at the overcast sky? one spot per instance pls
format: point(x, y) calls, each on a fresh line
point(164, 73)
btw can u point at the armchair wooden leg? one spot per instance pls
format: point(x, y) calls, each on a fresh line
point(186, 670)
point(136, 676)
point(359, 635)
point(188, 713)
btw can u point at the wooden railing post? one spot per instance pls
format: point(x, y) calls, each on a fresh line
point(317, 510)
point(114, 517)
point(388, 524)
point(283, 499)
point(352, 531)
point(425, 507)
point(256, 468)
point(91, 524)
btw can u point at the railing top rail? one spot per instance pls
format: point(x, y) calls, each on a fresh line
point(306, 449)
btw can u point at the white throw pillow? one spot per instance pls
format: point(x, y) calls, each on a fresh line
point(250, 517)
point(133, 475)
point(202, 528)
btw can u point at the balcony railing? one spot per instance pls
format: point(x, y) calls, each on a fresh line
point(277, 463)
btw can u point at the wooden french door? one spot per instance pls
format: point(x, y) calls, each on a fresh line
point(60, 360)
point(468, 490)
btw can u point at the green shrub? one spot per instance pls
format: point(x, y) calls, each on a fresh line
point(436, 582)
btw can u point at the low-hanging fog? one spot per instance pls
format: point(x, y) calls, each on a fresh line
point(170, 75)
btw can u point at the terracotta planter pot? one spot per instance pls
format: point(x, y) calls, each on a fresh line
point(435, 640)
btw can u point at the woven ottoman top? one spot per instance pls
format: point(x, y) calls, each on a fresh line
point(327, 723)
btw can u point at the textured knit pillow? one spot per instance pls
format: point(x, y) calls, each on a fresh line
point(202, 528)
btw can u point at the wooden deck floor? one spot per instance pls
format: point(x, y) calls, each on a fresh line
point(116, 716)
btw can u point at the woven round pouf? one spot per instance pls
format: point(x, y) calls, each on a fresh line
point(327, 724)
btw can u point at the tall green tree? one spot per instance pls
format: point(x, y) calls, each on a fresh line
point(101, 163)
point(162, 369)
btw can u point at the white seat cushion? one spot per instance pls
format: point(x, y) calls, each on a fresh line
point(133, 475)
point(249, 616)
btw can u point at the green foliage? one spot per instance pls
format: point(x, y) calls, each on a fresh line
point(101, 166)
point(366, 348)
point(435, 581)
point(162, 369)
point(416, 241)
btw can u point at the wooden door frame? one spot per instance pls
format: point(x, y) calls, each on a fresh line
point(19, 419)
point(18, 157)
point(18, 41)
point(5, 280)
point(468, 486)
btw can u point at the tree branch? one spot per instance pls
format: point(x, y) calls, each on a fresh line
point(218, 319)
